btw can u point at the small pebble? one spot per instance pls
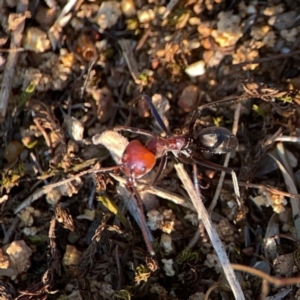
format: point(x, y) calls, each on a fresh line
point(36, 40)
point(71, 256)
point(168, 267)
point(196, 69)
point(189, 98)
point(145, 16)
point(12, 151)
point(283, 21)
point(128, 8)
point(166, 243)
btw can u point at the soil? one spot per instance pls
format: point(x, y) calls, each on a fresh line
point(90, 205)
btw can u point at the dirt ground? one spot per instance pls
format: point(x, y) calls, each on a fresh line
point(82, 219)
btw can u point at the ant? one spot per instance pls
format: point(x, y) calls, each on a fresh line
point(215, 140)
point(137, 160)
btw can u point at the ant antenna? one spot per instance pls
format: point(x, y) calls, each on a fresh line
point(219, 102)
point(156, 114)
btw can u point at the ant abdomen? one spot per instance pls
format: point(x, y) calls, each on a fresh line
point(216, 140)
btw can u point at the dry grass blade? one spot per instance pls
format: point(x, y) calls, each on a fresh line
point(268, 278)
point(16, 39)
point(160, 193)
point(266, 188)
point(215, 240)
point(127, 49)
point(290, 185)
point(170, 6)
point(64, 17)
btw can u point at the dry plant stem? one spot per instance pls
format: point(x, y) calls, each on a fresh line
point(36, 162)
point(45, 135)
point(266, 59)
point(143, 39)
point(87, 78)
point(199, 233)
point(285, 236)
point(290, 139)
point(267, 188)
point(160, 193)
point(118, 268)
point(11, 230)
point(129, 57)
point(222, 176)
point(194, 194)
point(290, 184)
point(67, 8)
point(170, 6)
point(47, 188)
point(12, 50)
point(208, 292)
point(92, 195)
point(272, 280)
point(16, 39)
point(264, 290)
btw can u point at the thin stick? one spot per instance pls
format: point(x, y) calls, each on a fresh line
point(143, 39)
point(47, 188)
point(222, 176)
point(170, 6)
point(13, 226)
point(16, 39)
point(267, 188)
point(211, 231)
point(160, 193)
point(266, 59)
point(268, 278)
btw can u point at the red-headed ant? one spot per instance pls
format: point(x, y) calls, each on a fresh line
point(137, 160)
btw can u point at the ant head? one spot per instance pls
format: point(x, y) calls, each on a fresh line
point(137, 160)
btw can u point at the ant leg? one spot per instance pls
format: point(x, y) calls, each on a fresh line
point(143, 220)
point(193, 120)
point(217, 167)
point(134, 130)
point(162, 165)
point(220, 102)
point(156, 114)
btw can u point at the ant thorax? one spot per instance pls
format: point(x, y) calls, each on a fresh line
point(182, 142)
point(157, 145)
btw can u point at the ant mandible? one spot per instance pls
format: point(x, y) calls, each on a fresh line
point(215, 140)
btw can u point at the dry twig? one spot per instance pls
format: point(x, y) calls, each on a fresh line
point(16, 39)
point(211, 231)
